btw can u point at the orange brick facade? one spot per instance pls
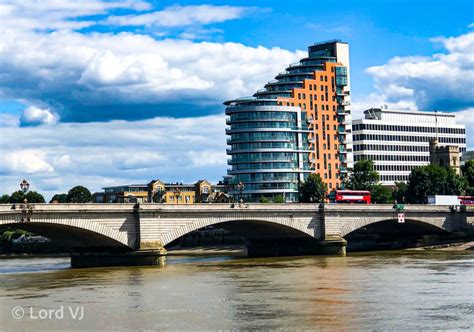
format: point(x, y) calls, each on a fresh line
point(317, 98)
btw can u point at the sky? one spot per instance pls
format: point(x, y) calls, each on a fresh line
point(101, 93)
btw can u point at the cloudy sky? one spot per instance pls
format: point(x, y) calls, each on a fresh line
point(103, 93)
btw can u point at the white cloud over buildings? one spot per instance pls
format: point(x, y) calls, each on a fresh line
point(443, 81)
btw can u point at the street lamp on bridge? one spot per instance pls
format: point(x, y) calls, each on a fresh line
point(240, 187)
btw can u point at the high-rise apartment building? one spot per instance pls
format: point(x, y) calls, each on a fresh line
point(298, 124)
point(398, 141)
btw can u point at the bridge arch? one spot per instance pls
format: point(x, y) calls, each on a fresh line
point(249, 228)
point(430, 224)
point(74, 233)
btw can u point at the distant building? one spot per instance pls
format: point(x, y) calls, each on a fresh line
point(398, 141)
point(445, 156)
point(298, 124)
point(160, 192)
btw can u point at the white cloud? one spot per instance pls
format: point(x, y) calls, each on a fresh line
point(179, 16)
point(62, 162)
point(441, 81)
point(89, 76)
point(208, 158)
point(98, 154)
point(53, 14)
point(24, 161)
point(466, 117)
point(359, 105)
point(32, 116)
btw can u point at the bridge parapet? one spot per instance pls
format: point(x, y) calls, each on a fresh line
point(342, 219)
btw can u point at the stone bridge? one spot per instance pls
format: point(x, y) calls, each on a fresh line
point(148, 226)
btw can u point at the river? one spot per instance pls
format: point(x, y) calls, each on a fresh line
point(402, 290)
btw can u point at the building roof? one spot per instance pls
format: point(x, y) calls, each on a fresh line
point(385, 110)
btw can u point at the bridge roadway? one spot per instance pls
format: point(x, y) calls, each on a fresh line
point(271, 229)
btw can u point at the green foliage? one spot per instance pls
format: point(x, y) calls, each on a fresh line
point(313, 190)
point(59, 198)
point(34, 197)
point(468, 173)
point(17, 197)
point(381, 194)
point(433, 180)
point(264, 200)
point(12, 234)
point(158, 197)
point(4, 199)
point(279, 199)
point(455, 184)
point(400, 192)
point(363, 176)
point(79, 194)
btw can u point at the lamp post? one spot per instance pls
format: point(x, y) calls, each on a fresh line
point(177, 193)
point(24, 186)
point(26, 208)
point(241, 187)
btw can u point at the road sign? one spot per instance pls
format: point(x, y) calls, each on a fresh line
point(401, 218)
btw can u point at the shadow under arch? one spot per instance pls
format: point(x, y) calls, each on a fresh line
point(389, 234)
point(68, 236)
point(249, 230)
point(392, 226)
point(264, 238)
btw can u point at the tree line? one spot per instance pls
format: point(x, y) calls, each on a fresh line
point(422, 182)
point(77, 194)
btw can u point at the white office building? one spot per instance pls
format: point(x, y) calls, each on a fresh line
point(398, 141)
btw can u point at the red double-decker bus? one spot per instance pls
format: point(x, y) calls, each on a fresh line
point(350, 196)
point(466, 200)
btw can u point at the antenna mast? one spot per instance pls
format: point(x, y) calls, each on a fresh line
point(436, 120)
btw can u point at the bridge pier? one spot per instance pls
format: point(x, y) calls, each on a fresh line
point(118, 258)
point(295, 247)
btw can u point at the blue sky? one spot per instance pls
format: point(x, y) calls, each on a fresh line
point(109, 92)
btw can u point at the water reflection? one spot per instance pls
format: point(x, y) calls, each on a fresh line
point(395, 290)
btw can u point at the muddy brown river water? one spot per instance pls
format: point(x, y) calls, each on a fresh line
point(399, 290)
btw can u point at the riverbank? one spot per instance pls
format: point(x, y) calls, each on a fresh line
point(458, 246)
point(207, 250)
point(27, 255)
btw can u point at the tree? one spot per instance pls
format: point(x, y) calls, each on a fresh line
point(468, 173)
point(433, 180)
point(455, 184)
point(158, 197)
point(79, 194)
point(363, 176)
point(59, 198)
point(381, 194)
point(264, 200)
point(313, 190)
point(34, 197)
point(400, 192)
point(17, 197)
point(279, 199)
point(4, 199)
